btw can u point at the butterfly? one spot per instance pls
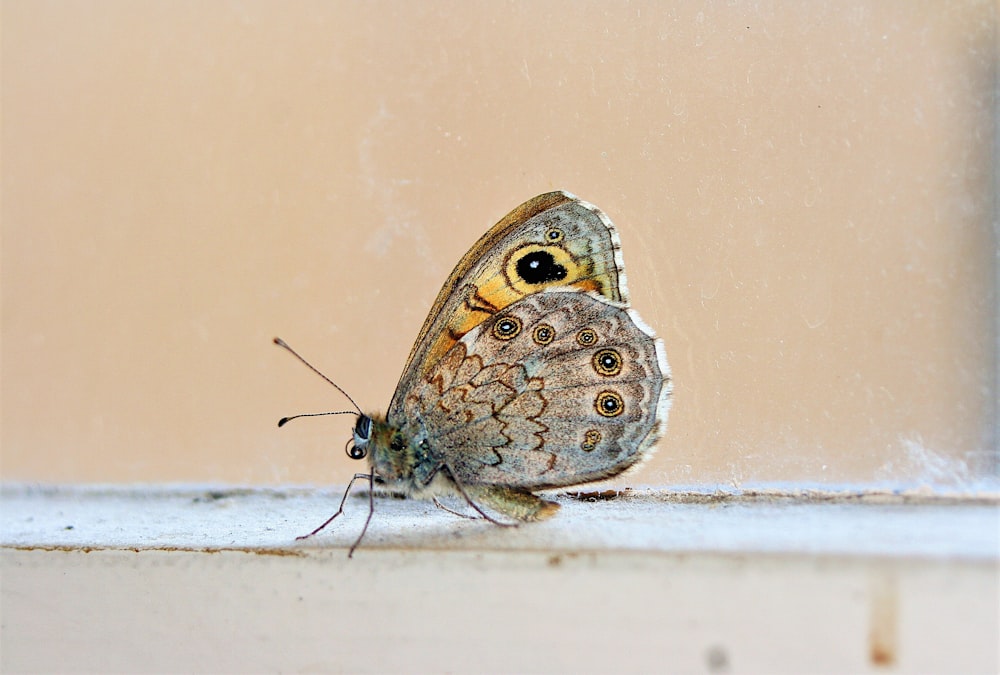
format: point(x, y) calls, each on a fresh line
point(530, 373)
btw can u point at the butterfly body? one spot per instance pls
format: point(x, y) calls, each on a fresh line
point(530, 372)
point(402, 461)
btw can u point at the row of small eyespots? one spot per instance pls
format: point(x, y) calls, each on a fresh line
point(544, 334)
point(606, 362)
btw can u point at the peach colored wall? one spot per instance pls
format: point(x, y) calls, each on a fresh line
point(805, 193)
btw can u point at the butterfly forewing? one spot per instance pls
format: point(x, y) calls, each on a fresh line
point(552, 241)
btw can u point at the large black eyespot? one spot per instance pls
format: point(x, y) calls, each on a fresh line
point(539, 267)
point(609, 404)
point(507, 328)
point(607, 362)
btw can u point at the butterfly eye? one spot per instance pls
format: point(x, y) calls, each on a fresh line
point(356, 451)
point(507, 328)
point(607, 362)
point(362, 428)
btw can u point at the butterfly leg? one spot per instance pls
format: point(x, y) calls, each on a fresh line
point(452, 511)
point(371, 508)
point(518, 504)
point(368, 476)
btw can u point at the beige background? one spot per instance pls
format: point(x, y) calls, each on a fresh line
point(805, 194)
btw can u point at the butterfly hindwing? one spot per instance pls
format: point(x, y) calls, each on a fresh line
point(560, 388)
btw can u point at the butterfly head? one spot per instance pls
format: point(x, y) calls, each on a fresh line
point(357, 447)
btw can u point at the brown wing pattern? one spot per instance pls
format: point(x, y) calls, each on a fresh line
point(560, 388)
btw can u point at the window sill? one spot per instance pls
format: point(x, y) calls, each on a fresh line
point(203, 579)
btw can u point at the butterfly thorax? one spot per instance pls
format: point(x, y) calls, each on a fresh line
point(400, 460)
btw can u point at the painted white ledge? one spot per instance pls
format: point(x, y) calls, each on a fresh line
point(206, 580)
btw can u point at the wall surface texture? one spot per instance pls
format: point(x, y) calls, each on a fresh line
point(805, 194)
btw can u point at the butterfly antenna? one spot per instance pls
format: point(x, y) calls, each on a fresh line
point(281, 343)
point(285, 420)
